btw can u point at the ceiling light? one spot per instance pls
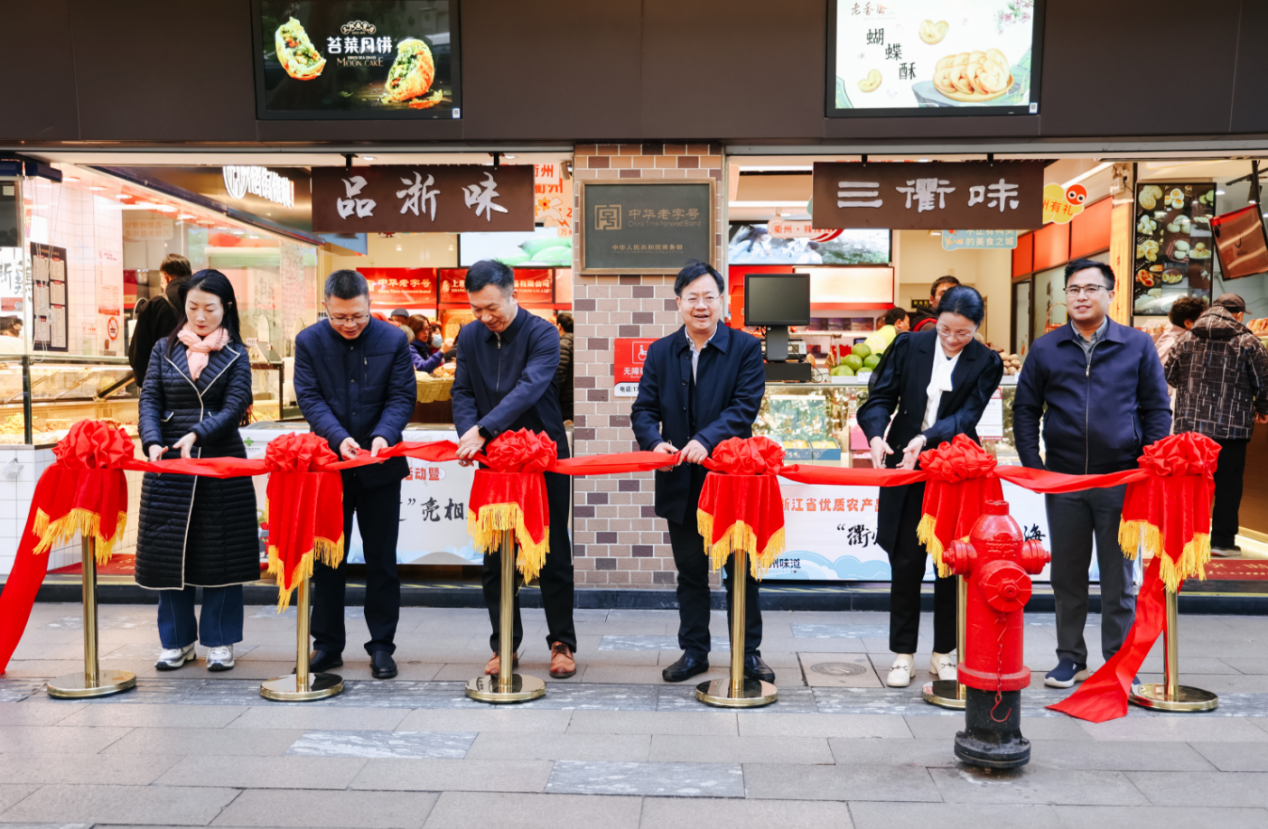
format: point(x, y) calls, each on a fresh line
point(165, 208)
point(508, 155)
point(777, 168)
point(398, 247)
point(789, 203)
point(1088, 174)
point(69, 178)
point(186, 216)
point(122, 196)
point(96, 189)
point(368, 157)
point(1219, 192)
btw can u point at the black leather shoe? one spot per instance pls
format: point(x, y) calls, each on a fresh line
point(685, 668)
point(322, 661)
point(755, 668)
point(382, 665)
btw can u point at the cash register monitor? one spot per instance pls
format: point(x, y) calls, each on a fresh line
point(776, 301)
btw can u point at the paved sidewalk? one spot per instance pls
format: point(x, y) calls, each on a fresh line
point(613, 745)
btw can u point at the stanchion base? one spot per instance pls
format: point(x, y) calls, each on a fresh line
point(717, 692)
point(1187, 699)
point(943, 693)
point(76, 686)
point(286, 688)
point(523, 688)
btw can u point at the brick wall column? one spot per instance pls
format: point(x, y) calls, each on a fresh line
point(619, 540)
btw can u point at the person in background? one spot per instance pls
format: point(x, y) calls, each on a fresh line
point(11, 335)
point(505, 381)
point(928, 317)
point(940, 382)
point(701, 385)
point(197, 532)
point(422, 335)
point(893, 323)
point(158, 318)
point(563, 377)
point(1219, 370)
point(1106, 399)
point(399, 318)
point(1183, 314)
point(356, 388)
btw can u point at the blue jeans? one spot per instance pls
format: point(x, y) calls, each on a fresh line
point(221, 617)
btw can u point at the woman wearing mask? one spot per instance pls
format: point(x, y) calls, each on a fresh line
point(198, 532)
point(425, 346)
point(940, 381)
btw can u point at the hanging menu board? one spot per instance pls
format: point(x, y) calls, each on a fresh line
point(49, 314)
point(1174, 245)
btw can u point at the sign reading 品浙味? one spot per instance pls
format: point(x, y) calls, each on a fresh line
point(1004, 195)
point(646, 226)
point(410, 199)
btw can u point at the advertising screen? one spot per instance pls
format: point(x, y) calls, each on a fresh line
point(543, 248)
point(761, 243)
point(934, 57)
point(374, 59)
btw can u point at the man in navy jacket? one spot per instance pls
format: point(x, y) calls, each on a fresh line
point(505, 381)
point(701, 385)
point(356, 388)
point(1106, 400)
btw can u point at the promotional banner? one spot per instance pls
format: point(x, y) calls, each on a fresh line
point(1175, 246)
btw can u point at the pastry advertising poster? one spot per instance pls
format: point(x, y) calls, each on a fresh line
point(1175, 248)
point(934, 57)
point(372, 59)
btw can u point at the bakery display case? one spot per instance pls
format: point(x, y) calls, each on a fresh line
point(42, 396)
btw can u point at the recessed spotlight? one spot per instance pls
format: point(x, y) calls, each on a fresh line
point(122, 196)
point(1219, 192)
point(165, 208)
point(369, 157)
point(508, 155)
point(96, 189)
point(69, 178)
point(184, 217)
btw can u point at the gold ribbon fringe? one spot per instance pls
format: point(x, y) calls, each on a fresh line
point(85, 522)
point(487, 526)
point(1193, 558)
point(324, 550)
point(740, 536)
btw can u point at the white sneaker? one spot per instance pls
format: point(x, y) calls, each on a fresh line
point(900, 673)
point(172, 658)
point(220, 659)
point(942, 665)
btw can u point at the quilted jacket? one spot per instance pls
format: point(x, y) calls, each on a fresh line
point(196, 531)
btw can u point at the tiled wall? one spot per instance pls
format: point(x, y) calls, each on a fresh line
point(618, 539)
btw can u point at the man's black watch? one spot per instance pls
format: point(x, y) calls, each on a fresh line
point(485, 433)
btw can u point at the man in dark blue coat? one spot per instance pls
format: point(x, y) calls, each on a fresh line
point(700, 385)
point(1106, 399)
point(356, 388)
point(504, 381)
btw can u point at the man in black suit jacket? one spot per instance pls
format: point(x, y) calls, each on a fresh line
point(968, 374)
point(701, 385)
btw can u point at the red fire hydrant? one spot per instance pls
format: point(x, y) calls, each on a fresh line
point(998, 563)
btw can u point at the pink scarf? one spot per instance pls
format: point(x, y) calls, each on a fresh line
point(198, 349)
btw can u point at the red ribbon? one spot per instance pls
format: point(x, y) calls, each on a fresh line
point(961, 480)
point(741, 508)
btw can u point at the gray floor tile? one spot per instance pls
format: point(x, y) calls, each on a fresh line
point(872, 815)
point(614, 642)
point(1234, 756)
point(299, 807)
point(437, 745)
point(479, 810)
point(263, 772)
point(454, 775)
point(857, 631)
point(325, 718)
point(1119, 756)
point(872, 752)
point(1032, 728)
point(57, 739)
point(1037, 785)
point(821, 725)
point(698, 723)
point(590, 747)
point(12, 794)
point(652, 779)
point(786, 781)
point(149, 805)
point(83, 769)
point(1176, 728)
point(156, 716)
point(36, 713)
point(1202, 788)
point(260, 742)
point(672, 748)
point(1157, 817)
point(660, 813)
point(488, 718)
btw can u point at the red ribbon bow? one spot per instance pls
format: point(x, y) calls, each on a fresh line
point(741, 509)
point(521, 451)
point(304, 507)
point(962, 479)
point(92, 444)
point(751, 456)
point(959, 460)
point(1187, 453)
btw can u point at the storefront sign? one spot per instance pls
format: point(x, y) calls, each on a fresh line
point(1175, 248)
point(934, 57)
point(534, 287)
point(418, 199)
point(392, 288)
point(964, 195)
point(261, 182)
point(453, 287)
point(787, 229)
point(979, 239)
point(630, 354)
point(375, 59)
point(1061, 204)
point(645, 226)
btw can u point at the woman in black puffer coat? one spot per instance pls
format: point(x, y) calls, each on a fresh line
point(198, 531)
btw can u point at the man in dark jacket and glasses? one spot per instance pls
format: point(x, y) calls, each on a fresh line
point(356, 388)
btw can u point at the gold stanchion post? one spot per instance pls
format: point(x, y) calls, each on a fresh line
point(1170, 695)
point(950, 693)
point(506, 686)
point(302, 686)
point(737, 691)
point(92, 681)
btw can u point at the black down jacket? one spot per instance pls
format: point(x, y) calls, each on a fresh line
point(196, 531)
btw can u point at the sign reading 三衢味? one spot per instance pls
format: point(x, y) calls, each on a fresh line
point(646, 226)
point(972, 195)
point(357, 59)
point(414, 199)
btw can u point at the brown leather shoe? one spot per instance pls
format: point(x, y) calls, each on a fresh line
point(493, 666)
point(562, 663)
